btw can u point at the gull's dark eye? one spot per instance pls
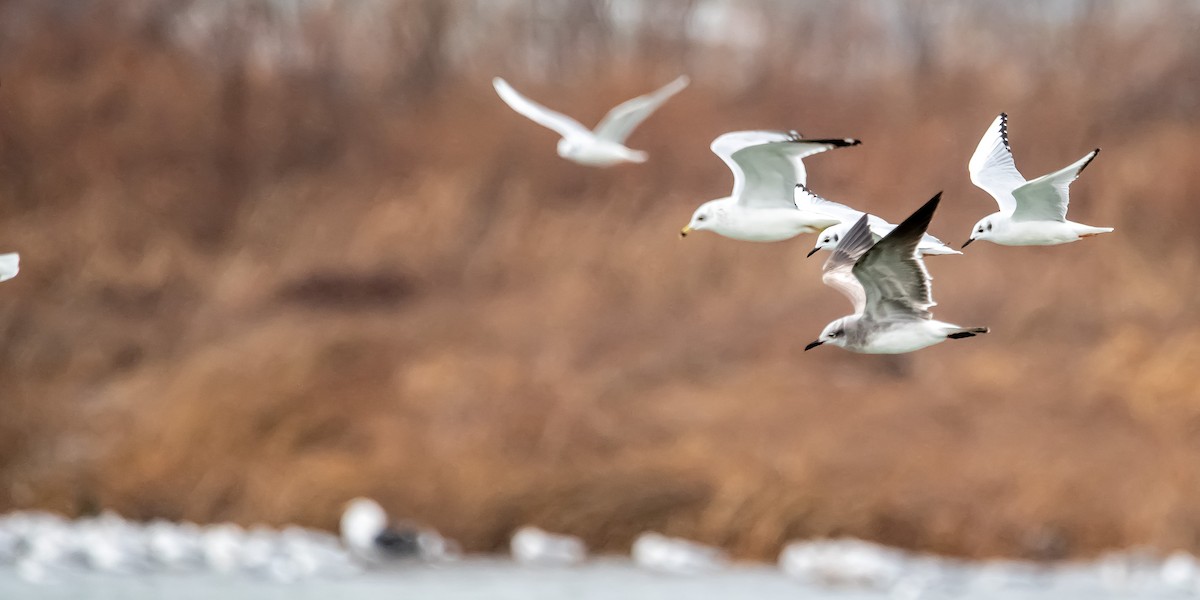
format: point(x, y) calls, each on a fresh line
point(834, 334)
point(989, 226)
point(700, 218)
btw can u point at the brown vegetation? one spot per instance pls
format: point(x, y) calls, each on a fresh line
point(254, 287)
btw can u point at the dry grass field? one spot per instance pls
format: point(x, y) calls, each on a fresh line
point(258, 281)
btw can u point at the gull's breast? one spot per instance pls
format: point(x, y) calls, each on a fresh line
point(763, 224)
point(1035, 233)
point(902, 337)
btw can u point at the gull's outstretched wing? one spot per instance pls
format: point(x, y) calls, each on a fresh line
point(893, 274)
point(992, 167)
point(1046, 198)
point(838, 270)
point(10, 264)
point(807, 200)
point(564, 125)
point(767, 165)
point(622, 120)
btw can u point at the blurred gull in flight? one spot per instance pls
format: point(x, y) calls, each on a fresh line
point(1032, 213)
point(369, 536)
point(828, 239)
point(534, 546)
point(890, 289)
point(767, 166)
point(10, 264)
point(673, 555)
point(604, 146)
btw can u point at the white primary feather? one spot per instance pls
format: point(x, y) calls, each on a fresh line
point(10, 265)
point(560, 123)
point(622, 120)
point(992, 168)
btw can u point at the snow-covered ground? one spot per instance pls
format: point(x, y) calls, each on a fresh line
point(45, 556)
point(497, 579)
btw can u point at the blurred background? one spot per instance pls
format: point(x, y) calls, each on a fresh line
point(280, 254)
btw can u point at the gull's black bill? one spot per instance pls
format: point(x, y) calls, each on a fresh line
point(811, 252)
point(813, 345)
point(966, 243)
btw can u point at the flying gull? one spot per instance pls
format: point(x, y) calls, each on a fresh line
point(1032, 213)
point(605, 145)
point(767, 166)
point(829, 238)
point(890, 289)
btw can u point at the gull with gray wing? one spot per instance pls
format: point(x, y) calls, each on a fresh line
point(1032, 213)
point(605, 145)
point(767, 166)
point(829, 238)
point(890, 289)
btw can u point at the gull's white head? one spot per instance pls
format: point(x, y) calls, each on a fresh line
point(828, 239)
point(834, 333)
point(984, 229)
point(709, 216)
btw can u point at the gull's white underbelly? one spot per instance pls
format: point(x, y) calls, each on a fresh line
point(908, 337)
point(767, 224)
point(1036, 233)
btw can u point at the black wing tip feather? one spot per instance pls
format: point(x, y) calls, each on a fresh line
point(1091, 157)
point(795, 136)
point(1004, 131)
point(836, 142)
point(912, 228)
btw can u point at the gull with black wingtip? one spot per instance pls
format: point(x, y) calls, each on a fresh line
point(762, 207)
point(829, 238)
point(890, 289)
point(1032, 213)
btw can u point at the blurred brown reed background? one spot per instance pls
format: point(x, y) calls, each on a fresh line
point(277, 255)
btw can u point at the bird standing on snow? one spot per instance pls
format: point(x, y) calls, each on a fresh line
point(369, 536)
point(1032, 213)
point(890, 289)
point(767, 166)
point(658, 552)
point(604, 146)
point(534, 546)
